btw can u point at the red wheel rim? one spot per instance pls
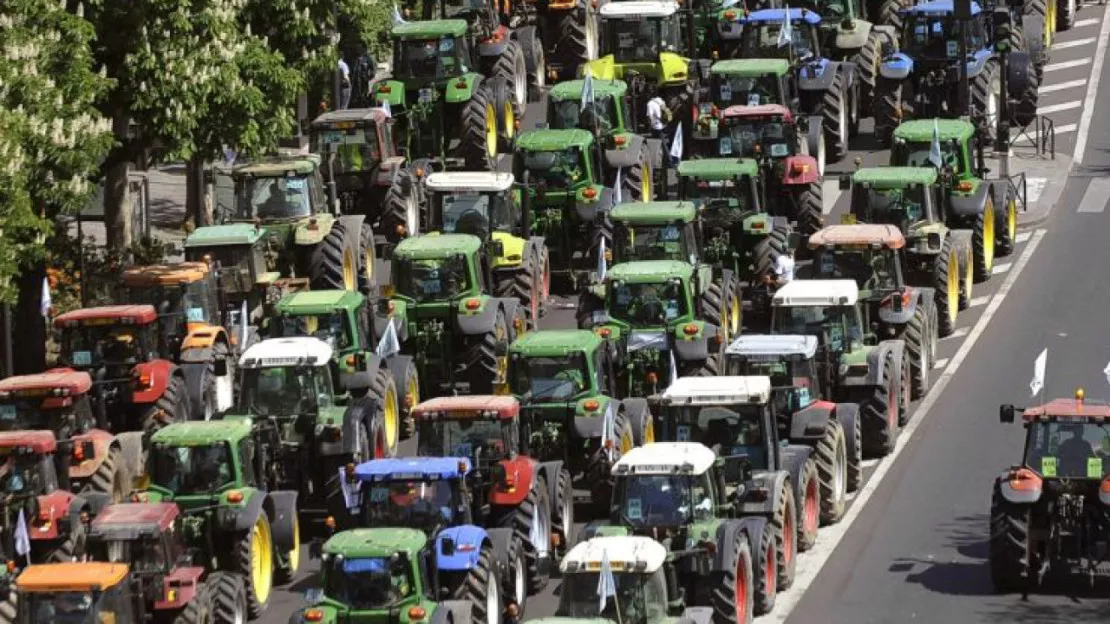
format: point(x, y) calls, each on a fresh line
point(379, 446)
point(788, 536)
point(770, 574)
point(892, 407)
point(741, 590)
point(811, 507)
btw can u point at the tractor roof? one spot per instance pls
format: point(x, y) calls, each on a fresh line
point(547, 140)
point(81, 576)
point(224, 235)
point(40, 442)
point(751, 67)
point(718, 390)
point(165, 274)
point(1075, 409)
point(858, 234)
point(894, 177)
point(714, 169)
point(293, 351)
point(307, 302)
point(439, 246)
point(921, 130)
point(555, 342)
point(378, 542)
point(654, 213)
point(779, 15)
point(754, 112)
point(278, 166)
point(822, 292)
point(67, 382)
point(350, 114)
point(572, 89)
point(430, 29)
point(666, 458)
point(760, 347)
point(639, 8)
point(138, 314)
point(203, 432)
point(469, 181)
point(127, 521)
point(413, 468)
point(466, 407)
point(647, 271)
point(938, 7)
point(624, 553)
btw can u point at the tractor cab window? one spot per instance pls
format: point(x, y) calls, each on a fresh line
point(1068, 449)
point(837, 326)
point(355, 149)
point(669, 500)
point(371, 583)
point(89, 345)
point(766, 40)
point(283, 391)
point(549, 378)
point(21, 474)
point(233, 264)
point(476, 213)
point(184, 470)
point(897, 206)
point(746, 90)
point(872, 270)
point(632, 40)
point(916, 154)
point(934, 36)
point(68, 607)
point(431, 279)
point(462, 9)
point(426, 505)
point(30, 413)
point(773, 137)
point(145, 556)
point(556, 170)
point(650, 304)
point(334, 329)
point(430, 58)
point(287, 197)
point(734, 196)
point(651, 242)
point(177, 305)
point(569, 114)
point(478, 439)
point(642, 597)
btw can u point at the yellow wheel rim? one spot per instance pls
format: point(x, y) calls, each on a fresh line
point(969, 275)
point(391, 416)
point(491, 131)
point(350, 282)
point(295, 554)
point(626, 443)
point(953, 286)
point(645, 184)
point(369, 271)
point(988, 235)
point(734, 316)
point(1049, 22)
point(262, 563)
point(500, 382)
point(649, 432)
point(510, 120)
point(412, 392)
point(1011, 221)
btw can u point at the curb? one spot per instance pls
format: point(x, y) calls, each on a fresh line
point(1056, 181)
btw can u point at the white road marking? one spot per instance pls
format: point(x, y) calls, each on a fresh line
point(980, 301)
point(1033, 189)
point(941, 363)
point(868, 463)
point(999, 269)
point(1065, 128)
point(959, 333)
point(1023, 236)
point(1071, 84)
point(830, 192)
point(1056, 108)
point(1072, 44)
point(1085, 23)
point(1051, 67)
point(1094, 200)
point(810, 563)
point(1092, 90)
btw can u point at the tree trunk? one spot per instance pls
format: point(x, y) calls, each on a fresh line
point(29, 327)
point(195, 205)
point(117, 195)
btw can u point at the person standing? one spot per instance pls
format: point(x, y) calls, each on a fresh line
point(657, 113)
point(344, 84)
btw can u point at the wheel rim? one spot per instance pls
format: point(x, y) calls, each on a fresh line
point(840, 477)
point(892, 399)
point(392, 420)
point(379, 445)
point(770, 573)
point(734, 315)
point(591, 37)
point(295, 554)
point(491, 131)
point(261, 560)
point(412, 216)
point(811, 512)
point(741, 590)
point(645, 183)
point(953, 287)
point(1011, 221)
point(349, 272)
point(626, 443)
point(368, 265)
point(493, 600)
point(546, 277)
point(969, 275)
point(788, 532)
point(412, 391)
point(992, 100)
point(843, 119)
point(988, 236)
point(649, 431)
point(541, 532)
point(520, 589)
point(510, 120)
point(821, 155)
point(520, 81)
point(541, 68)
point(567, 519)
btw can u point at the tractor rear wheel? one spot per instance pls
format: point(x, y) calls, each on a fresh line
point(1065, 14)
point(890, 13)
point(486, 357)
point(254, 557)
point(986, 91)
point(334, 263)
point(637, 181)
point(383, 390)
point(71, 548)
point(868, 60)
point(407, 380)
point(288, 563)
point(714, 304)
point(785, 522)
point(1039, 10)
point(9, 607)
point(946, 285)
point(111, 477)
point(831, 460)
point(562, 511)
point(967, 264)
point(767, 251)
point(809, 511)
point(1007, 230)
point(767, 571)
point(1010, 553)
point(887, 107)
point(849, 417)
point(367, 256)
point(918, 340)
point(172, 406)
point(880, 409)
point(401, 209)
point(576, 32)
point(531, 520)
point(536, 61)
point(481, 588)
point(601, 463)
point(811, 207)
point(733, 598)
point(507, 109)
point(478, 143)
point(523, 284)
point(229, 592)
point(512, 66)
point(201, 608)
point(643, 425)
point(835, 105)
point(982, 240)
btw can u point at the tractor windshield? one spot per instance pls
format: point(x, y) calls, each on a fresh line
point(369, 583)
point(273, 199)
point(332, 328)
point(746, 90)
point(185, 470)
point(835, 326)
point(75, 607)
point(737, 195)
point(916, 154)
point(21, 475)
point(897, 206)
point(826, 8)
point(872, 270)
point(356, 149)
point(640, 597)
point(30, 413)
point(650, 242)
point(730, 430)
point(429, 58)
point(476, 213)
point(549, 378)
point(284, 391)
point(426, 505)
point(569, 114)
point(741, 136)
point(765, 40)
point(934, 37)
point(640, 40)
point(192, 303)
point(431, 279)
point(89, 345)
point(669, 500)
point(474, 438)
point(650, 304)
point(557, 170)
point(1068, 449)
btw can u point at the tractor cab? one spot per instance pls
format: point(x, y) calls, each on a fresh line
point(655, 231)
point(563, 170)
point(636, 36)
point(30, 460)
point(721, 187)
point(484, 429)
point(142, 535)
point(276, 191)
point(198, 464)
point(560, 367)
point(437, 270)
point(481, 204)
point(113, 337)
point(763, 36)
point(828, 309)
point(430, 52)
point(86, 592)
point(359, 154)
point(744, 82)
point(767, 133)
point(866, 253)
point(186, 296)
point(1066, 442)
point(650, 295)
point(342, 319)
point(607, 115)
point(643, 591)
point(931, 33)
point(427, 493)
point(900, 196)
point(56, 400)
point(913, 142)
point(289, 380)
point(788, 361)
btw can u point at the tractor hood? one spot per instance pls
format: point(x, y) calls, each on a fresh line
point(670, 69)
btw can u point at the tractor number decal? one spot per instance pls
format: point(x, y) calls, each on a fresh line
point(684, 433)
point(294, 184)
point(1094, 467)
point(753, 99)
point(82, 358)
point(726, 146)
point(379, 494)
point(953, 49)
point(635, 509)
point(7, 412)
point(726, 92)
point(195, 315)
point(1048, 466)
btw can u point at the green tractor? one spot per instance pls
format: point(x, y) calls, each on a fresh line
point(913, 200)
point(569, 407)
point(345, 322)
point(391, 568)
point(213, 470)
point(284, 198)
point(740, 82)
point(444, 317)
point(988, 207)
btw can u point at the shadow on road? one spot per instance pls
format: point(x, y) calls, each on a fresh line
point(965, 573)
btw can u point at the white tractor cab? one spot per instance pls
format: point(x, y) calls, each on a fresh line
point(285, 376)
point(642, 590)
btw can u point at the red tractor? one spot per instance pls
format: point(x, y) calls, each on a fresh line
point(133, 388)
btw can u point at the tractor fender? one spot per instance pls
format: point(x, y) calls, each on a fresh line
point(808, 424)
point(1021, 497)
point(160, 371)
point(591, 427)
point(468, 539)
point(353, 225)
point(588, 211)
point(102, 445)
point(627, 157)
point(513, 250)
point(243, 516)
point(461, 89)
point(817, 75)
point(388, 169)
point(395, 94)
point(898, 67)
point(184, 580)
point(1033, 28)
point(696, 615)
point(875, 361)
point(281, 507)
point(773, 482)
point(978, 62)
point(809, 173)
point(493, 47)
point(1019, 68)
point(97, 501)
point(482, 321)
point(725, 556)
point(696, 348)
point(360, 413)
point(794, 458)
point(848, 415)
point(522, 471)
point(854, 39)
point(197, 354)
point(916, 296)
point(501, 539)
point(202, 338)
point(57, 505)
point(887, 29)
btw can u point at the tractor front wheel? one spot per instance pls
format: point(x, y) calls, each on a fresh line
point(288, 563)
point(407, 380)
point(383, 390)
point(982, 239)
point(918, 340)
point(946, 285)
point(562, 511)
point(809, 512)
point(785, 521)
point(888, 110)
point(636, 183)
point(524, 283)
point(986, 93)
point(531, 520)
point(512, 66)
point(868, 60)
point(810, 201)
point(334, 263)
point(367, 256)
point(831, 460)
point(714, 306)
point(172, 406)
point(623, 441)
point(835, 113)
point(767, 571)
point(111, 477)
point(1007, 231)
point(254, 557)
point(481, 588)
point(733, 598)
point(401, 208)
point(880, 409)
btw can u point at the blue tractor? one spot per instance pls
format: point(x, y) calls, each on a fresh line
point(922, 79)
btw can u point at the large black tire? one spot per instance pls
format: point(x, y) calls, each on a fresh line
point(713, 304)
point(867, 62)
point(733, 596)
point(478, 134)
point(111, 477)
point(532, 519)
point(637, 178)
point(602, 489)
point(334, 263)
point(880, 412)
point(562, 512)
point(71, 548)
point(831, 459)
point(967, 273)
point(918, 338)
point(1039, 10)
point(889, 13)
point(481, 581)
point(946, 286)
point(485, 356)
point(536, 61)
point(810, 201)
point(767, 571)
point(849, 417)
point(201, 609)
point(288, 563)
point(767, 251)
point(507, 108)
point(383, 390)
point(785, 522)
point(513, 67)
point(171, 407)
point(1065, 14)
point(515, 578)
point(987, 86)
point(400, 205)
point(1009, 551)
point(524, 284)
point(1006, 232)
point(258, 597)
point(643, 424)
point(409, 393)
point(887, 107)
point(576, 36)
point(809, 511)
point(982, 241)
point(9, 607)
point(835, 103)
point(229, 593)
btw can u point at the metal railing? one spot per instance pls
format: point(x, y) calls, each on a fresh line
point(1040, 135)
point(1019, 186)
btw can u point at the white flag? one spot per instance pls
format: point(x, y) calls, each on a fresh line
point(386, 109)
point(389, 344)
point(587, 90)
point(397, 18)
point(607, 435)
point(601, 265)
point(786, 34)
point(1106, 371)
point(606, 584)
point(934, 148)
point(350, 491)
point(1037, 384)
point(676, 144)
point(22, 538)
point(45, 302)
point(674, 368)
point(617, 188)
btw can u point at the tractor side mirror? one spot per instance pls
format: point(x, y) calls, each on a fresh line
point(495, 248)
point(934, 241)
point(360, 380)
point(845, 181)
point(803, 124)
point(1006, 413)
point(220, 367)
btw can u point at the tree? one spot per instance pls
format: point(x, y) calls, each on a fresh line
point(52, 138)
